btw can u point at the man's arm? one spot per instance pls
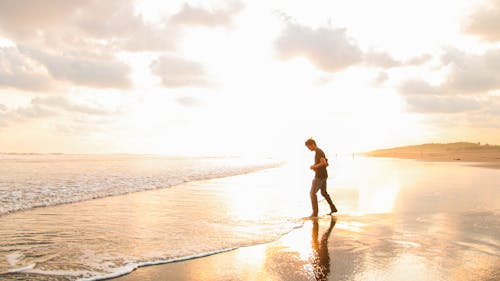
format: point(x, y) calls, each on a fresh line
point(322, 163)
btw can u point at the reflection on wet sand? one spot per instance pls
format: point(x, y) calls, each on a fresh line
point(381, 247)
point(321, 258)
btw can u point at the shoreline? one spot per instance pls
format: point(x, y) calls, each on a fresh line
point(341, 247)
point(477, 159)
point(241, 263)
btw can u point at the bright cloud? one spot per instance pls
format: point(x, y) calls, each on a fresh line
point(328, 48)
point(18, 71)
point(178, 72)
point(194, 15)
point(485, 22)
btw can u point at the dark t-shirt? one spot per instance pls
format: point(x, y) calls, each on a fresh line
point(321, 173)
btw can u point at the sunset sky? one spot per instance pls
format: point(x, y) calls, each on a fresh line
point(246, 77)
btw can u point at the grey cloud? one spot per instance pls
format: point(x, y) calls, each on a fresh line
point(440, 104)
point(67, 24)
point(32, 112)
point(329, 49)
point(187, 101)
point(191, 15)
point(116, 20)
point(485, 22)
point(468, 74)
point(418, 60)
point(63, 103)
point(472, 73)
point(178, 72)
point(385, 60)
point(17, 71)
point(90, 72)
point(380, 59)
point(417, 87)
point(493, 106)
point(3, 116)
point(23, 20)
point(54, 106)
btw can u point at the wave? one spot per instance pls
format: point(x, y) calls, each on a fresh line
point(131, 267)
point(69, 183)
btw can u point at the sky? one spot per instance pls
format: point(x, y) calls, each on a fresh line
point(234, 77)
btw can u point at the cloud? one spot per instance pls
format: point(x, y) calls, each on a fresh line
point(485, 22)
point(32, 112)
point(96, 73)
point(330, 49)
point(494, 106)
point(177, 72)
point(190, 15)
point(417, 87)
point(187, 101)
point(3, 117)
point(72, 112)
point(59, 102)
point(470, 79)
point(468, 74)
point(18, 71)
point(382, 76)
point(418, 60)
point(471, 73)
point(71, 24)
point(441, 104)
point(380, 59)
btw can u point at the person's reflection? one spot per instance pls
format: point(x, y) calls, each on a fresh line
point(320, 256)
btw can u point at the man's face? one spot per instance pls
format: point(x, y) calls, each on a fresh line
point(311, 147)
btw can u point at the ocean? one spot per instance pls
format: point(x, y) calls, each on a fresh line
point(91, 217)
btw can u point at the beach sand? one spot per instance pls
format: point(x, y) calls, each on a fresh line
point(478, 155)
point(376, 247)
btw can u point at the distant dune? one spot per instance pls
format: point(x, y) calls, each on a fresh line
point(459, 151)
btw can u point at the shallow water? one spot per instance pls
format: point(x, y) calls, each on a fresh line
point(37, 180)
point(438, 218)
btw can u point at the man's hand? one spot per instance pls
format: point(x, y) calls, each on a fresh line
point(322, 163)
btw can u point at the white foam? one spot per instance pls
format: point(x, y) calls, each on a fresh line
point(42, 181)
point(131, 267)
point(13, 258)
point(22, 269)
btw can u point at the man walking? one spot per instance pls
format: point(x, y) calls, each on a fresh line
point(319, 181)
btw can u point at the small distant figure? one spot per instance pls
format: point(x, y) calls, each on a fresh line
point(319, 181)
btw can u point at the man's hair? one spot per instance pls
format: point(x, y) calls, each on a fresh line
point(310, 142)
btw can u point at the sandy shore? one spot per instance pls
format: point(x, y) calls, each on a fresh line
point(480, 155)
point(342, 248)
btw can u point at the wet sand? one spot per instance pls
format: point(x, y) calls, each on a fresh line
point(376, 247)
point(435, 230)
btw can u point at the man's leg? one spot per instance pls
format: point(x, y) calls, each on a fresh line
point(327, 196)
point(314, 200)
